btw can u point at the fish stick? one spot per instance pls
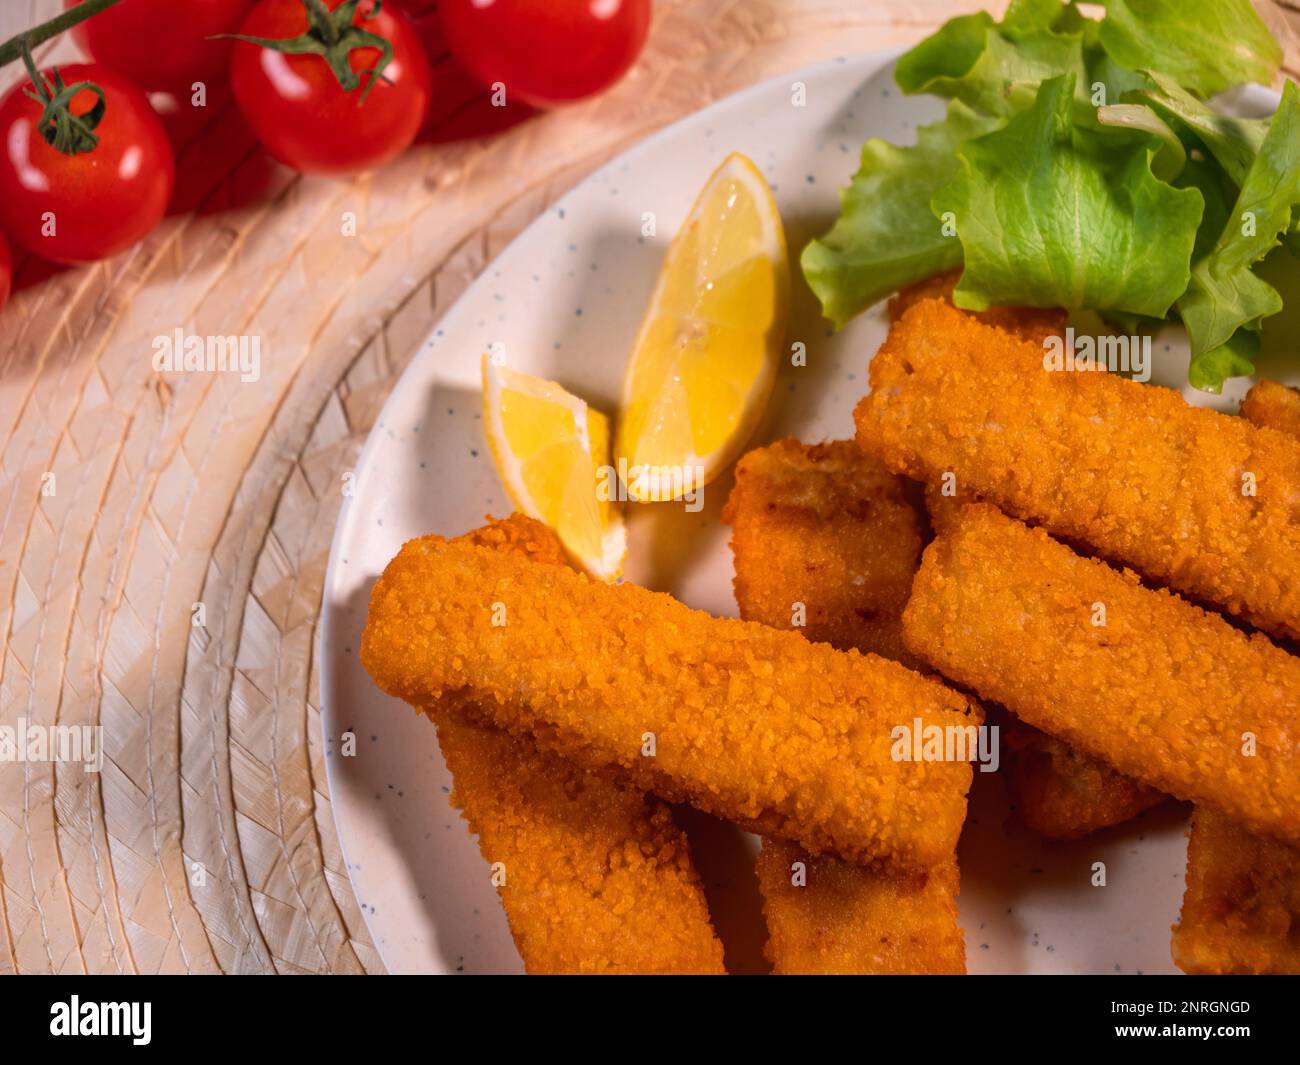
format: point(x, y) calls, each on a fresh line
point(1241, 908)
point(1162, 690)
point(1241, 911)
point(848, 920)
point(824, 541)
point(1203, 502)
point(1273, 406)
point(758, 726)
point(1059, 792)
point(597, 878)
point(826, 528)
point(1028, 323)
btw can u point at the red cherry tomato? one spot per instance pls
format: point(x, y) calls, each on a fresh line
point(461, 107)
point(162, 45)
point(6, 270)
point(546, 52)
point(79, 208)
point(302, 114)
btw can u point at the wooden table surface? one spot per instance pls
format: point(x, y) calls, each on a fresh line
point(207, 843)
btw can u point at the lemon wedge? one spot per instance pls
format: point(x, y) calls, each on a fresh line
point(706, 355)
point(552, 453)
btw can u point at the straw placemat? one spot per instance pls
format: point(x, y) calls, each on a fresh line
point(207, 843)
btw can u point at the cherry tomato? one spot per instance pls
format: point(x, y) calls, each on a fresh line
point(546, 52)
point(461, 107)
point(79, 208)
point(6, 270)
point(162, 45)
point(302, 114)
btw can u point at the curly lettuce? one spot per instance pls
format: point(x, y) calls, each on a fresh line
point(1205, 45)
point(1224, 296)
point(1081, 165)
point(1053, 214)
point(886, 237)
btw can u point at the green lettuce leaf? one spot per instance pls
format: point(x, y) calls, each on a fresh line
point(1234, 142)
point(993, 67)
point(1109, 81)
point(886, 237)
point(1207, 45)
point(1224, 294)
point(1030, 16)
point(1210, 369)
point(1218, 194)
point(946, 56)
point(1054, 214)
point(1170, 160)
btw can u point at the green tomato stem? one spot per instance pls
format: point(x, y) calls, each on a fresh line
point(12, 49)
point(332, 36)
point(63, 130)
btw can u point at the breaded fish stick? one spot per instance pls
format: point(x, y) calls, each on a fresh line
point(824, 534)
point(1028, 323)
point(1165, 692)
point(1062, 793)
point(1241, 909)
point(1242, 906)
point(1059, 792)
point(787, 737)
point(597, 878)
point(843, 919)
point(828, 528)
point(1273, 406)
point(1203, 502)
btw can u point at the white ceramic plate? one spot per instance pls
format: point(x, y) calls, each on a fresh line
point(565, 299)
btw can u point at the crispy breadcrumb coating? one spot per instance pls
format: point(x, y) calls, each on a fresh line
point(844, 919)
point(1241, 912)
point(1164, 691)
point(1129, 469)
point(944, 507)
point(825, 528)
point(1059, 792)
point(758, 726)
point(1028, 323)
point(1062, 793)
point(597, 878)
point(828, 527)
point(518, 535)
point(1273, 406)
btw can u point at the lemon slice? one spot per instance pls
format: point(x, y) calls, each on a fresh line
point(706, 356)
point(552, 453)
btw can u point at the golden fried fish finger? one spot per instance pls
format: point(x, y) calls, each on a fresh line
point(1162, 690)
point(1273, 406)
point(824, 535)
point(842, 919)
point(1241, 911)
point(751, 724)
point(1203, 502)
point(596, 878)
